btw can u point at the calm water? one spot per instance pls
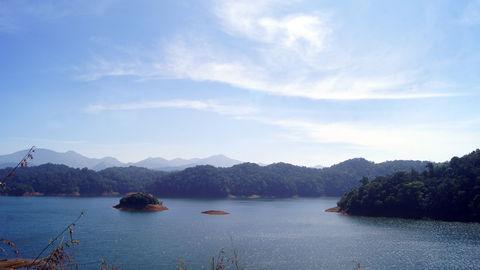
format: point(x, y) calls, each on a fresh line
point(268, 234)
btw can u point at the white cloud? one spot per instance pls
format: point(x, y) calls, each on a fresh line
point(201, 105)
point(285, 53)
point(203, 63)
point(249, 18)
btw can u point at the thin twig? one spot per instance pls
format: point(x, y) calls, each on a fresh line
point(22, 161)
point(55, 239)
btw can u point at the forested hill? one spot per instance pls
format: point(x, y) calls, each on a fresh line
point(275, 180)
point(246, 179)
point(52, 179)
point(448, 191)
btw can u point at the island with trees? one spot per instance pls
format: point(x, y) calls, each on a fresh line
point(140, 201)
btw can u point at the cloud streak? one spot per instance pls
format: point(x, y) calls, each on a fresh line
point(401, 142)
point(200, 105)
point(204, 64)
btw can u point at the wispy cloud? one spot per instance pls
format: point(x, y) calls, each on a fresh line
point(99, 68)
point(207, 64)
point(201, 105)
point(294, 56)
point(286, 53)
point(399, 141)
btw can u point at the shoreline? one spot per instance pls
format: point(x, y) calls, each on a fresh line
point(147, 208)
point(116, 195)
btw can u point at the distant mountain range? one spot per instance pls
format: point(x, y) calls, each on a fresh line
point(76, 160)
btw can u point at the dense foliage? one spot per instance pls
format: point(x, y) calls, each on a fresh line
point(137, 200)
point(275, 180)
point(129, 179)
point(247, 179)
point(447, 191)
point(50, 179)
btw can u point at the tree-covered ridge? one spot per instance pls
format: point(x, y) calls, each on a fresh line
point(447, 191)
point(275, 180)
point(246, 179)
point(51, 179)
point(129, 179)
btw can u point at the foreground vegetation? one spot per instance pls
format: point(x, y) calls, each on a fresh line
point(247, 179)
point(448, 191)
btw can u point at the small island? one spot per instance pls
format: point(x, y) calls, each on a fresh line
point(140, 201)
point(215, 212)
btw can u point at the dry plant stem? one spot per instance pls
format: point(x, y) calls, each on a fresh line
point(68, 228)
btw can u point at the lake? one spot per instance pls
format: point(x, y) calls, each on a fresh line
point(267, 234)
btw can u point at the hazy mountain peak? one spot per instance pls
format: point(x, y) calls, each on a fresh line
point(359, 161)
point(76, 160)
point(182, 163)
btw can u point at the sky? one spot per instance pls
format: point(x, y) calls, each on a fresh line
point(305, 82)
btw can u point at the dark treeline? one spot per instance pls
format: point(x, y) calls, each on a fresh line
point(447, 191)
point(247, 179)
point(276, 180)
point(51, 179)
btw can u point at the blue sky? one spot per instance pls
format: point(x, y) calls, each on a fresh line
point(305, 82)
